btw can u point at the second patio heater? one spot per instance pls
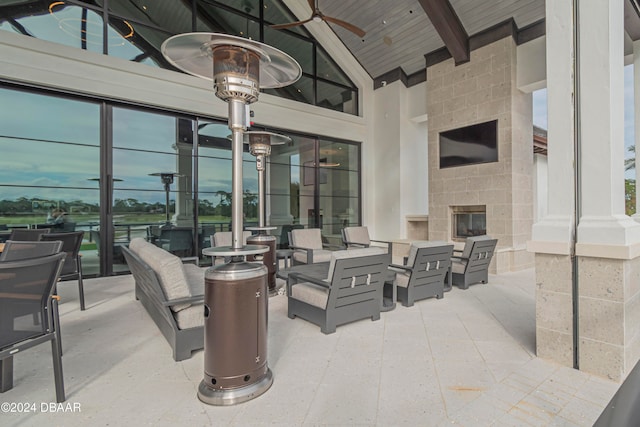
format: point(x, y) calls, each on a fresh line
point(260, 143)
point(236, 297)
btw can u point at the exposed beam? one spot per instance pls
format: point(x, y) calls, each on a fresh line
point(449, 27)
point(632, 19)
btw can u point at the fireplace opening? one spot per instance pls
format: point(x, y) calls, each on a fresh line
point(468, 221)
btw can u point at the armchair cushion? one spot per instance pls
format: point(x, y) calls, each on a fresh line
point(311, 293)
point(319, 255)
point(359, 235)
point(309, 238)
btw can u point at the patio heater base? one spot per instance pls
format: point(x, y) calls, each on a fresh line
point(234, 396)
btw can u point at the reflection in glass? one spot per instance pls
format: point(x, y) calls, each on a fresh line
point(327, 69)
point(59, 22)
point(337, 98)
point(300, 49)
point(136, 42)
point(49, 118)
point(154, 14)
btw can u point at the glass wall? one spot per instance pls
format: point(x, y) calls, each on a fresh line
point(153, 164)
point(50, 166)
point(135, 30)
point(118, 172)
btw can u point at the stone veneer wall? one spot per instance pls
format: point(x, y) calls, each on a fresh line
point(481, 90)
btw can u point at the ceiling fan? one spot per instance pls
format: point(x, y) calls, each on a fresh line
point(318, 16)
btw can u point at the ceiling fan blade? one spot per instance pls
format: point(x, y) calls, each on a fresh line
point(358, 31)
point(312, 5)
point(290, 24)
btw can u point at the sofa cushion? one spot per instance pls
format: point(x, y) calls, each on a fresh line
point(191, 317)
point(136, 243)
point(195, 278)
point(169, 271)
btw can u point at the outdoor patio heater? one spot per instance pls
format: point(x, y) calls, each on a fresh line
point(167, 179)
point(236, 296)
point(260, 143)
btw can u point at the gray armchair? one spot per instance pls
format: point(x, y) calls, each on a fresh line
point(424, 273)
point(358, 237)
point(351, 291)
point(308, 247)
point(472, 265)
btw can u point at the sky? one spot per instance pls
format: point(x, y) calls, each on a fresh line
point(540, 112)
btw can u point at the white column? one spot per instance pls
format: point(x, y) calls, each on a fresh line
point(636, 118)
point(183, 216)
point(601, 75)
point(553, 233)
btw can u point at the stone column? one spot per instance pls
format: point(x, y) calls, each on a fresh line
point(552, 235)
point(608, 243)
point(606, 286)
point(636, 118)
point(183, 215)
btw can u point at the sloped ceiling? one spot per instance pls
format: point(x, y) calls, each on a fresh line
point(399, 33)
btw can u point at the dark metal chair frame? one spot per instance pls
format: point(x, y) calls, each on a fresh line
point(152, 297)
point(28, 235)
point(72, 269)
point(355, 292)
point(427, 274)
point(477, 264)
point(45, 270)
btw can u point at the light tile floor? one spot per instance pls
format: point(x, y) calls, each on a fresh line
point(467, 360)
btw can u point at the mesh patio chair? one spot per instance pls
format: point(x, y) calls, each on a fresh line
point(17, 250)
point(72, 268)
point(177, 240)
point(24, 234)
point(26, 288)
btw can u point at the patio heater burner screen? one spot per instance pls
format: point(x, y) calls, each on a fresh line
point(236, 73)
point(235, 293)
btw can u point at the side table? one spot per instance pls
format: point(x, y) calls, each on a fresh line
point(284, 254)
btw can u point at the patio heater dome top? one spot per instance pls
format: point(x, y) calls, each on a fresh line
point(246, 65)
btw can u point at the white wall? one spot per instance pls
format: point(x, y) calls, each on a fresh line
point(399, 159)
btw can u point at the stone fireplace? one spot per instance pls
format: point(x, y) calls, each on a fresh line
point(496, 197)
point(468, 221)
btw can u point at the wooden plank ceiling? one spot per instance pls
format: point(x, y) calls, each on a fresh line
point(399, 33)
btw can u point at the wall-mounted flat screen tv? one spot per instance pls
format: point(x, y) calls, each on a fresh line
point(469, 145)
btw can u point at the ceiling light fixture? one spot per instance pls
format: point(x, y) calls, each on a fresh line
point(90, 32)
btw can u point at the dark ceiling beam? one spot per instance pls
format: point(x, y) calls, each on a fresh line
point(632, 19)
point(449, 27)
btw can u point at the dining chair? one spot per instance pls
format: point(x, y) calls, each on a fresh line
point(26, 288)
point(72, 268)
point(18, 250)
point(25, 234)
